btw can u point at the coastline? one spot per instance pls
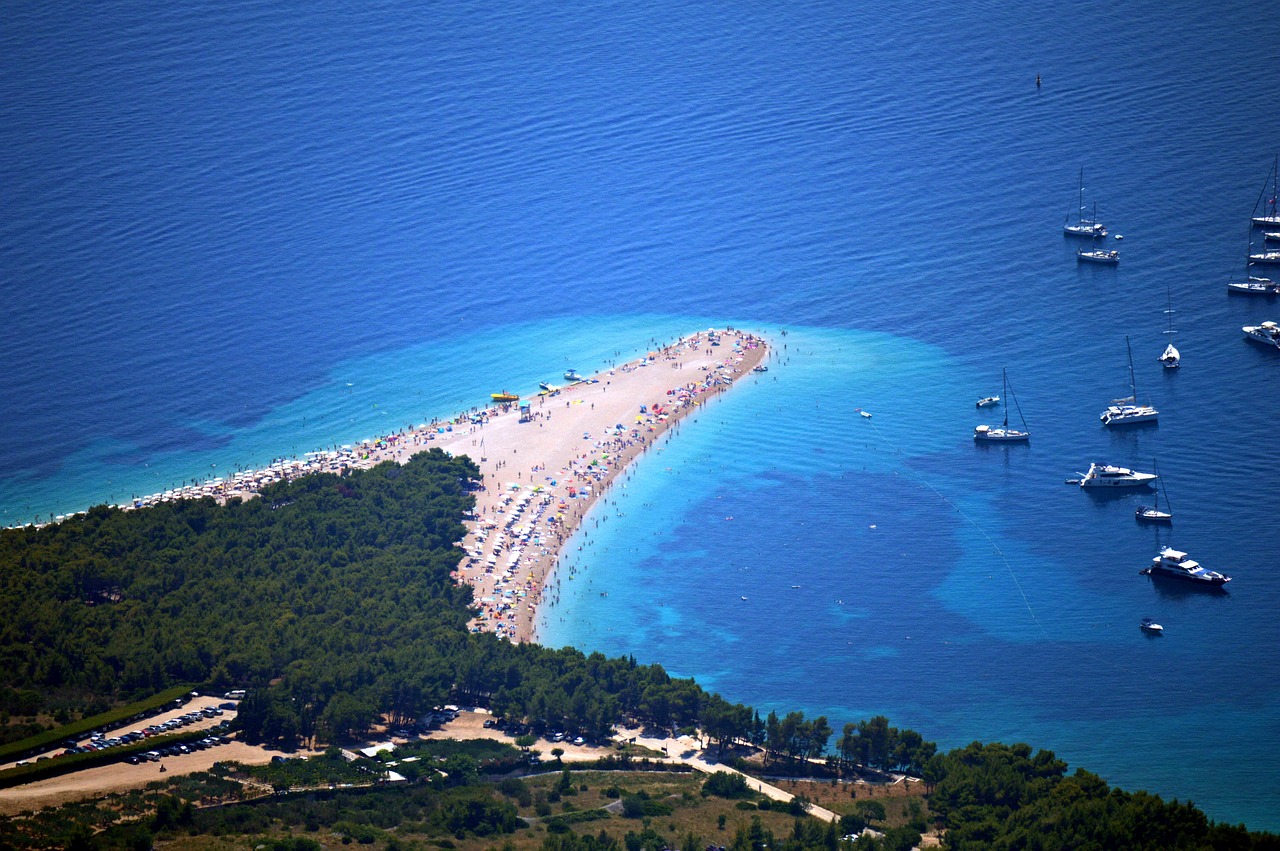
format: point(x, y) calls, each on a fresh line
point(543, 475)
point(542, 470)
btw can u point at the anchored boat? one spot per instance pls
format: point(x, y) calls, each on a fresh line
point(1268, 334)
point(1098, 255)
point(1175, 564)
point(1003, 432)
point(1152, 513)
point(1088, 228)
point(1270, 214)
point(1127, 411)
point(1171, 358)
point(1110, 476)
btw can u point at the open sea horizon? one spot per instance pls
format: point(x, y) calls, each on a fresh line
point(238, 233)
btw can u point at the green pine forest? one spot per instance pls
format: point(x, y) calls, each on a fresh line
point(330, 598)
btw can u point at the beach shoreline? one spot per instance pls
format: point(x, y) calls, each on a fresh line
point(543, 473)
point(545, 461)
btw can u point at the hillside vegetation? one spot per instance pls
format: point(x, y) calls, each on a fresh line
point(331, 599)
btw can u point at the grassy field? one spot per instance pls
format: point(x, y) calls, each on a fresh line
point(589, 803)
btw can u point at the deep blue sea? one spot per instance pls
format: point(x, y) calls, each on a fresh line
point(233, 232)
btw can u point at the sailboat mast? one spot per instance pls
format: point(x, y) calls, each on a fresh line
point(1168, 506)
point(1080, 212)
point(1133, 383)
point(1004, 391)
point(1014, 397)
point(1275, 184)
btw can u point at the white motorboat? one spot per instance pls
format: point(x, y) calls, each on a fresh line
point(1176, 565)
point(1088, 228)
point(572, 375)
point(1271, 237)
point(1110, 476)
point(1170, 358)
point(1268, 334)
point(1003, 432)
point(1266, 256)
point(1098, 255)
point(1127, 411)
point(1150, 627)
point(988, 401)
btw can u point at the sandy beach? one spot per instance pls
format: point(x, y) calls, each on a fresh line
point(544, 471)
point(546, 459)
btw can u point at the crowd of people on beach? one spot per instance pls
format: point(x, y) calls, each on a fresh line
point(515, 539)
point(509, 594)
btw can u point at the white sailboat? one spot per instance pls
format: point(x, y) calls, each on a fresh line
point(1003, 432)
point(1270, 213)
point(1152, 513)
point(1089, 228)
point(1252, 284)
point(1098, 255)
point(1127, 411)
point(1171, 359)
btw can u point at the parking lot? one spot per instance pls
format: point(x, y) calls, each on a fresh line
point(204, 712)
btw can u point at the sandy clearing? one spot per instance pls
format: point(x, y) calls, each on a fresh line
point(121, 777)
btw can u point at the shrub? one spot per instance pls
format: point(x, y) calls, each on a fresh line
point(726, 785)
point(870, 810)
point(633, 806)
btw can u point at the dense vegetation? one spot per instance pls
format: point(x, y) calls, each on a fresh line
point(1006, 797)
point(336, 589)
point(343, 581)
point(331, 599)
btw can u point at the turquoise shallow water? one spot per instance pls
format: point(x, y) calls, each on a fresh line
point(238, 233)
